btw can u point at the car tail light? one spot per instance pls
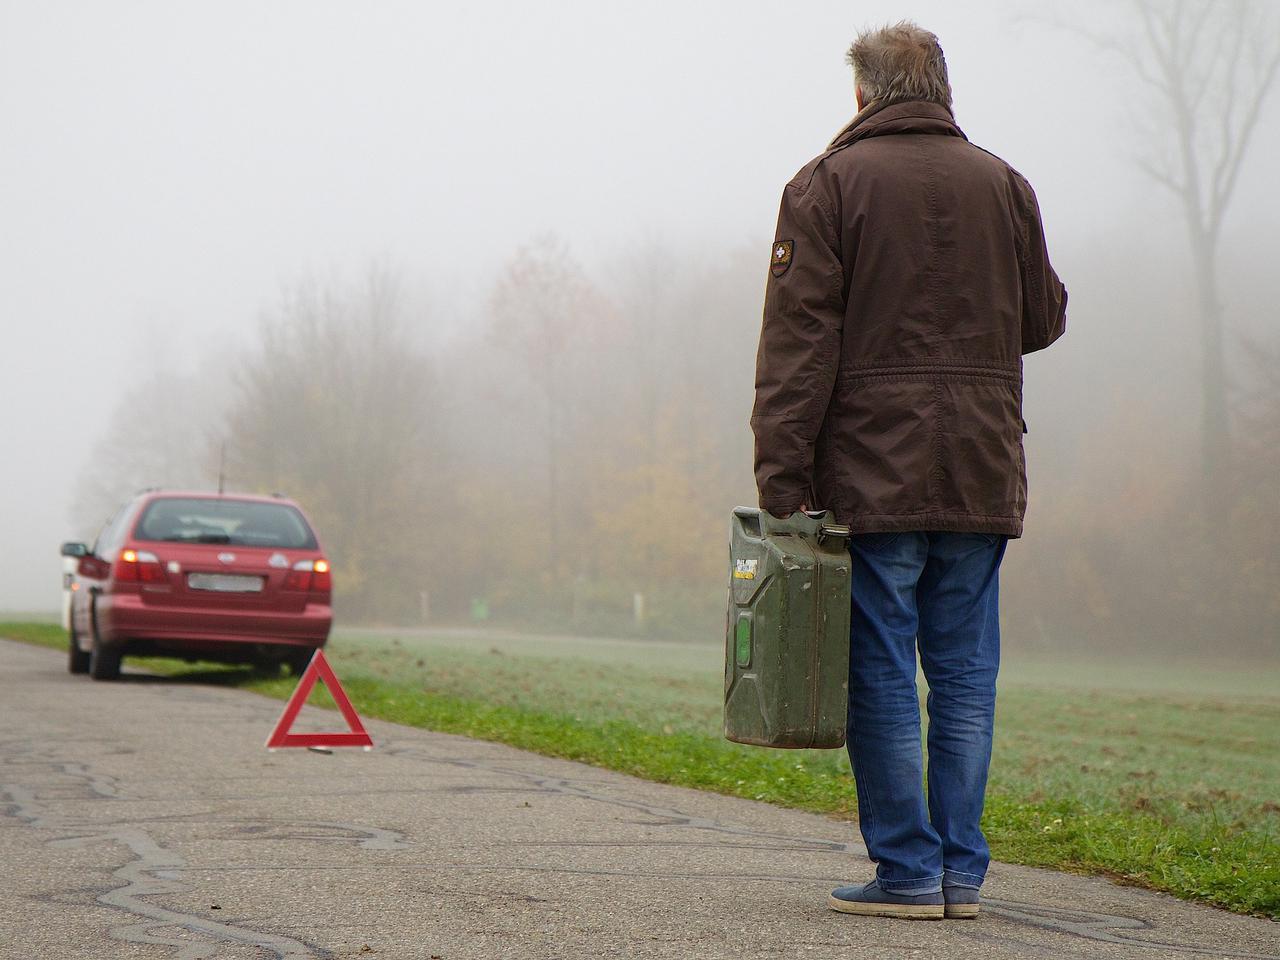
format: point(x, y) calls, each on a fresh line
point(320, 578)
point(139, 566)
point(127, 569)
point(309, 575)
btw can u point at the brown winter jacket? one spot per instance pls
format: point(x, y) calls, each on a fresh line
point(908, 277)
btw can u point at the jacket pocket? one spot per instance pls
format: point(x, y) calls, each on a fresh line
point(980, 447)
point(878, 446)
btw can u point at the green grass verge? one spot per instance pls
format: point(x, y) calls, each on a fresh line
point(1157, 787)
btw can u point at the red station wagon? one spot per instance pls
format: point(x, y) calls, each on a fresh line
point(200, 576)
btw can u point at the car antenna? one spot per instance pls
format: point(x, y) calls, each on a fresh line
point(222, 461)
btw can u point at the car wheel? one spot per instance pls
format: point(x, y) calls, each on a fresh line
point(104, 664)
point(265, 667)
point(77, 659)
point(298, 661)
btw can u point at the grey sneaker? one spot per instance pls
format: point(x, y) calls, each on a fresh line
point(871, 901)
point(961, 902)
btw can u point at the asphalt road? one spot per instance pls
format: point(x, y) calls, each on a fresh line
point(145, 819)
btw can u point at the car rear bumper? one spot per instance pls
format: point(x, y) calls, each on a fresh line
point(123, 618)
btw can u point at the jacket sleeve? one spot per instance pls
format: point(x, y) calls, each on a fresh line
point(799, 349)
point(1044, 298)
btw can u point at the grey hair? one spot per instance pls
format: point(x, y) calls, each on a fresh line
point(900, 62)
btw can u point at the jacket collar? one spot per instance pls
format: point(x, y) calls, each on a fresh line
point(911, 116)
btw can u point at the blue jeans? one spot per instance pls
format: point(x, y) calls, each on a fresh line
point(940, 591)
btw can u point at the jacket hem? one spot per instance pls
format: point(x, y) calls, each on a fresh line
point(930, 521)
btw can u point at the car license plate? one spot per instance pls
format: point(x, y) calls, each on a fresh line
point(224, 583)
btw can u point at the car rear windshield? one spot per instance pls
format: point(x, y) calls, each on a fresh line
point(246, 523)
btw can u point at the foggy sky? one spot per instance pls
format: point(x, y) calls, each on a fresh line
point(167, 166)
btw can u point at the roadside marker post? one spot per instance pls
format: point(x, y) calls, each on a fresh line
point(319, 669)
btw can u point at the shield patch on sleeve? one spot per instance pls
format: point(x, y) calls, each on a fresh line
point(780, 259)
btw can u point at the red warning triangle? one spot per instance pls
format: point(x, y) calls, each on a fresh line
point(318, 669)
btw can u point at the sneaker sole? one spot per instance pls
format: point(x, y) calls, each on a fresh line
point(902, 911)
point(960, 911)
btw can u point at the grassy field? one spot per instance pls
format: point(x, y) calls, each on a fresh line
point(1162, 775)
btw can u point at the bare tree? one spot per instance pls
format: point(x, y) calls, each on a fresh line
point(1210, 64)
point(159, 435)
point(337, 405)
point(542, 308)
point(1260, 417)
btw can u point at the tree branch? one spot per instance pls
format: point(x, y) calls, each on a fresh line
point(1153, 38)
point(1211, 65)
point(1107, 44)
point(1230, 144)
point(1160, 177)
point(1249, 124)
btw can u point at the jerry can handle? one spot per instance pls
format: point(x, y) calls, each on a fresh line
point(834, 530)
point(759, 524)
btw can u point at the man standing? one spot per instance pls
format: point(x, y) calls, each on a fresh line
point(908, 277)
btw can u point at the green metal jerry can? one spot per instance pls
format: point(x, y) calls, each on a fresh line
point(786, 673)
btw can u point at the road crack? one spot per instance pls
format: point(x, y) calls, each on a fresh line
point(155, 871)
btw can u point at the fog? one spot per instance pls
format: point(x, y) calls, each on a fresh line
point(182, 183)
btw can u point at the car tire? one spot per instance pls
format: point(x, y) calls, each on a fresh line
point(299, 661)
point(104, 664)
point(77, 659)
point(265, 667)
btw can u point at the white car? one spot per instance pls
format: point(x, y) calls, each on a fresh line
point(69, 584)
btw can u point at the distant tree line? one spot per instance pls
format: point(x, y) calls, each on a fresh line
point(584, 441)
